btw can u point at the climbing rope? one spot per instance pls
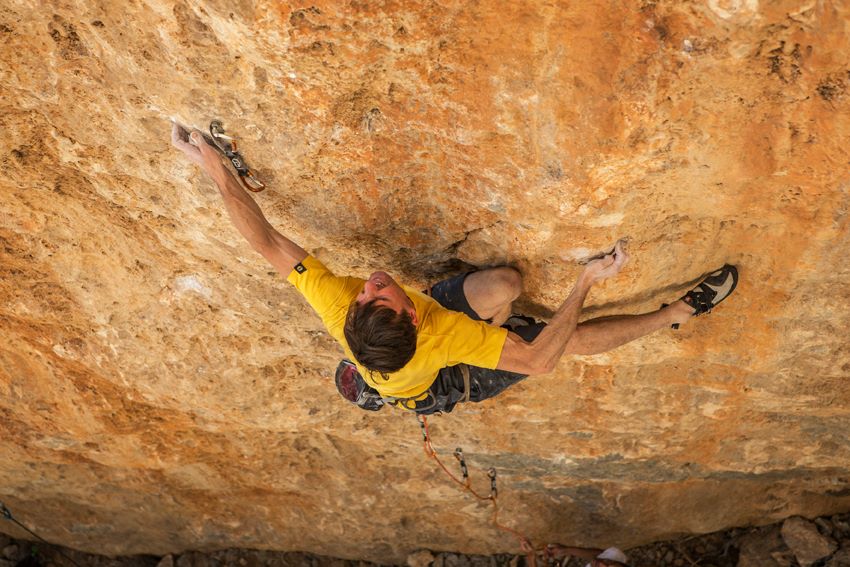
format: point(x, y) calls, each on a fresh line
point(7, 514)
point(525, 542)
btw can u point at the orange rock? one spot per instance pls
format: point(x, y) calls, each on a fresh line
point(163, 390)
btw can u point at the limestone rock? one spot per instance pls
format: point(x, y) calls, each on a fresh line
point(764, 548)
point(162, 389)
point(804, 539)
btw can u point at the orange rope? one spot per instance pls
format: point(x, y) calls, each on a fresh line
point(430, 452)
point(465, 484)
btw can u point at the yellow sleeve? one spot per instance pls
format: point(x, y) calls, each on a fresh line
point(326, 293)
point(474, 342)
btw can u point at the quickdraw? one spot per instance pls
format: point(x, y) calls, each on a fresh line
point(463, 469)
point(227, 145)
point(525, 543)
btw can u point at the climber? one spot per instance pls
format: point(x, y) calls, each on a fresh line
point(427, 352)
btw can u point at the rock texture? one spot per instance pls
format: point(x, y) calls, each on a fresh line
point(161, 389)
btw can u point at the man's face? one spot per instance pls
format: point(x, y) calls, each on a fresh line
point(386, 292)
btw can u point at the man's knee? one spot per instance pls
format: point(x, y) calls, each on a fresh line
point(505, 281)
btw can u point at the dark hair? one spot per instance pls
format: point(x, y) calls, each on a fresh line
point(379, 338)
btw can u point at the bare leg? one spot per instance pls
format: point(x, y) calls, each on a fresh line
point(491, 292)
point(605, 333)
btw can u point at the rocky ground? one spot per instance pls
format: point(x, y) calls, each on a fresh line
point(824, 542)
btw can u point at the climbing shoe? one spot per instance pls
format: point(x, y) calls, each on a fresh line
point(515, 321)
point(526, 327)
point(716, 287)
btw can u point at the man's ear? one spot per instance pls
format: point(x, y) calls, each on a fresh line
point(413, 316)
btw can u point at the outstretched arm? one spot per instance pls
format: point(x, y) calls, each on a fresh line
point(249, 220)
point(541, 355)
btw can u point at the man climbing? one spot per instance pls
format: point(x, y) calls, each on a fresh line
point(427, 352)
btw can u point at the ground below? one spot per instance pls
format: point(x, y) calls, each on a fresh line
point(796, 542)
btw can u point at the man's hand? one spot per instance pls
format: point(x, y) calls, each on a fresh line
point(195, 147)
point(541, 355)
point(607, 266)
point(180, 140)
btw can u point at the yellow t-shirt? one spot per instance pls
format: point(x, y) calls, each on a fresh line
point(443, 337)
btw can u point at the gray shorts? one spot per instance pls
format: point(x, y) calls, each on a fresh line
point(448, 388)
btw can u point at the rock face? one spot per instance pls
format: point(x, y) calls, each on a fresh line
point(163, 389)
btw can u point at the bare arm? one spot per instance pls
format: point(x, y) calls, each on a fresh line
point(246, 216)
point(541, 355)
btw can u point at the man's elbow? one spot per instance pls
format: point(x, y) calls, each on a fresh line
point(538, 364)
point(525, 357)
point(540, 368)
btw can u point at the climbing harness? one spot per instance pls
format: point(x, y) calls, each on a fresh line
point(354, 388)
point(7, 514)
point(465, 483)
point(227, 145)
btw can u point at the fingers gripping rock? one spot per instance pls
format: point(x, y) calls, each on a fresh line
point(181, 140)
